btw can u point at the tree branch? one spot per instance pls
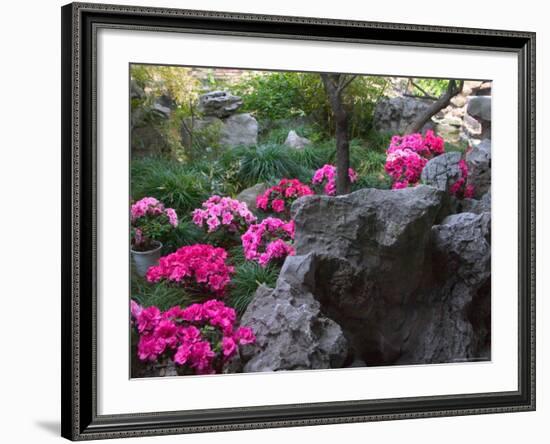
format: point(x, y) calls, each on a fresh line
point(453, 88)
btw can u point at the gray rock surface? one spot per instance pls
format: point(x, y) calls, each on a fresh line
point(478, 160)
point(249, 195)
point(398, 288)
point(239, 129)
point(442, 171)
point(236, 130)
point(291, 331)
point(476, 206)
point(293, 140)
point(393, 115)
point(219, 104)
point(480, 107)
point(368, 260)
point(452, 320)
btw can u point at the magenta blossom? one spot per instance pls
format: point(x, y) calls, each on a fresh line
point(327, 175)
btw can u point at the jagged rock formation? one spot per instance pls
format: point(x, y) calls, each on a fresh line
point(402, 287)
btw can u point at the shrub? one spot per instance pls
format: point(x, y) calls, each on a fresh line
point(248, 276)
point(266, 163)
point(199, 339)
point(461, 189)
point(150, 221)
point(327, 175)
point(407, 155)
point(161, 294)
point(270, 240)
point(200, 269)
point(280, 197)
point(223, 213)
point(170, 182)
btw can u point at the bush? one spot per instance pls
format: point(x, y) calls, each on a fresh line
point(267, 163)
point(161, 294)
point(248, 277)
point(170, 182)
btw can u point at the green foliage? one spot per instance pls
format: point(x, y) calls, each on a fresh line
point(460, 147)
point(272, 96)
point(186, 233)
point(170, 182)
point(266, 163)
point(175, 82)
point(161, 294)
point(248, 276)
point(434, 87)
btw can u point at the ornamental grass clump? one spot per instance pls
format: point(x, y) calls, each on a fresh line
point(199, 269)
point(199, 339)
point(326, 177)
point(223, 214)
point(150, 222)
point(279, 198)
point(269, 241)
point(407, 155)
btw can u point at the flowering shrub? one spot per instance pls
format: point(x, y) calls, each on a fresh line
point(461, 188)
point(199, 268)
point(223, 213)
point(150, 221)
point(407, 155)
point(269, 240)
point(279, 198)
point(327, 175)
point(199, 339)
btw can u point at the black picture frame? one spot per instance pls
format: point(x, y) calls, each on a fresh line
point(80, 22)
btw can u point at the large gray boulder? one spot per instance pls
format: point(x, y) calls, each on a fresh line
point(393, 115)
point(219, 104)
point(452, 319)
point(480, 107)
point(239, 129)
point(478, 160)
point(368, 260)
point(291, 331)
point(442, 171)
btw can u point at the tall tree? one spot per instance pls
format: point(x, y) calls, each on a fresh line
point(453, 88)
point(335, 85)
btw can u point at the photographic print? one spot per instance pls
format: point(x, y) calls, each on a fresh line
point(306, 221)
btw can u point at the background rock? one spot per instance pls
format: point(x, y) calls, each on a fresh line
point(293, 140)
point(219, 104)
point(393, 115)
point(236, 130)
point(478, 160)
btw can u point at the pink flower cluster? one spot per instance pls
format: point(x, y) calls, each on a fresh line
point(407, 155)
point(198, 267)
point(201, 337)
point(280, 197)
point(328, 173)
point(461, 189)
point(269, 240)
point(223, 212)
point(150, 220)
point(149, 206)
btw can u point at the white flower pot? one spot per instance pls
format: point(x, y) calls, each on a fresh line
point(145, 259)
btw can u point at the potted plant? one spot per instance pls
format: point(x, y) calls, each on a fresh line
point(150, 221)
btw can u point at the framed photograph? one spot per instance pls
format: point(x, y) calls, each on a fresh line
point(279, 221)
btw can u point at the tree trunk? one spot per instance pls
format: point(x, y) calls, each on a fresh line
point(334, 88)
point(442, 102)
